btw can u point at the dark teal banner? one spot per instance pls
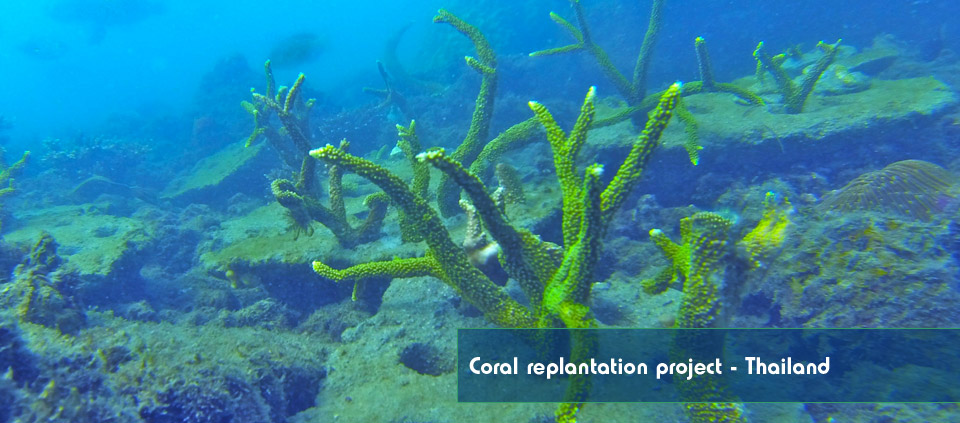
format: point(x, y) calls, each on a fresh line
point(709, 365)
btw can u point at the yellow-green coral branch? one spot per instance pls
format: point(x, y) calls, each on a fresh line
point(522, 255)
point(456, 269)
point(690, 127)
point(10, 172)
point(564, 149)
point(485, 64)
point(396, 268)
point(570, 285)
point(630, 171)
point(409, 143)
point(646, 50)
point(704, 63)
point(514, 137)
point(585, 42)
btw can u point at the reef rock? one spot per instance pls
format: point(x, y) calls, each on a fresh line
point(215, 179)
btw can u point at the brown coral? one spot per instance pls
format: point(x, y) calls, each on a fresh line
point(913, 188)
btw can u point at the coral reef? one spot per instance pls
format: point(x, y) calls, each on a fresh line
point(198, 305)
point(857, 269)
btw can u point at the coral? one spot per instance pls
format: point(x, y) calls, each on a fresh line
point(486, 65)
point(303, 208)
point(390, 97)
point(634, 90)
point(510, 182)
point(704, 63)
point(794, 96)
point(690, 255)
point(771, 230)
point(514, 137)
point(409, 143)
point(7, 174)
point(35, 295)
point(911, 188)
point(558, 289)
point(297, 196)
point(707, 82)
point(631, 90)
point(696, 258)
point(692, 143)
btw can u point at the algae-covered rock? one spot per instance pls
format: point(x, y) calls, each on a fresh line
point(215, 179)
point(262, 250)
point(886, 105)
point(118, 370)
point(869, 127)
point(35, 294)
point(861, 269)
point(91, 243)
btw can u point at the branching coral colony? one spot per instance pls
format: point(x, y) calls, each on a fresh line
point(298, 197)
point(634, 89)
point(556, 279)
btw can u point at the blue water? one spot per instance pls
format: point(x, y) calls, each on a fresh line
point(70, 65)
point(155, 270)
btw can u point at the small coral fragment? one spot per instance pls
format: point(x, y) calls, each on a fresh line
point(770, 231)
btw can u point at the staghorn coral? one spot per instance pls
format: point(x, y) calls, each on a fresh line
point(558, 286)
point(409, 144)
point(696, 258)
point(390, 97)
point(690, 256)
point(298, 196)
point(794, 96)
point(707, 83)
point(633, 90)
point(486, 65)
point(910, 188)
point(510, 182)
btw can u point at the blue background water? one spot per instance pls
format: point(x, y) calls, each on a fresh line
point(68, 65)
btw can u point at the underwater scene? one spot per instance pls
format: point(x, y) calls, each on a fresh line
point(266, 212)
